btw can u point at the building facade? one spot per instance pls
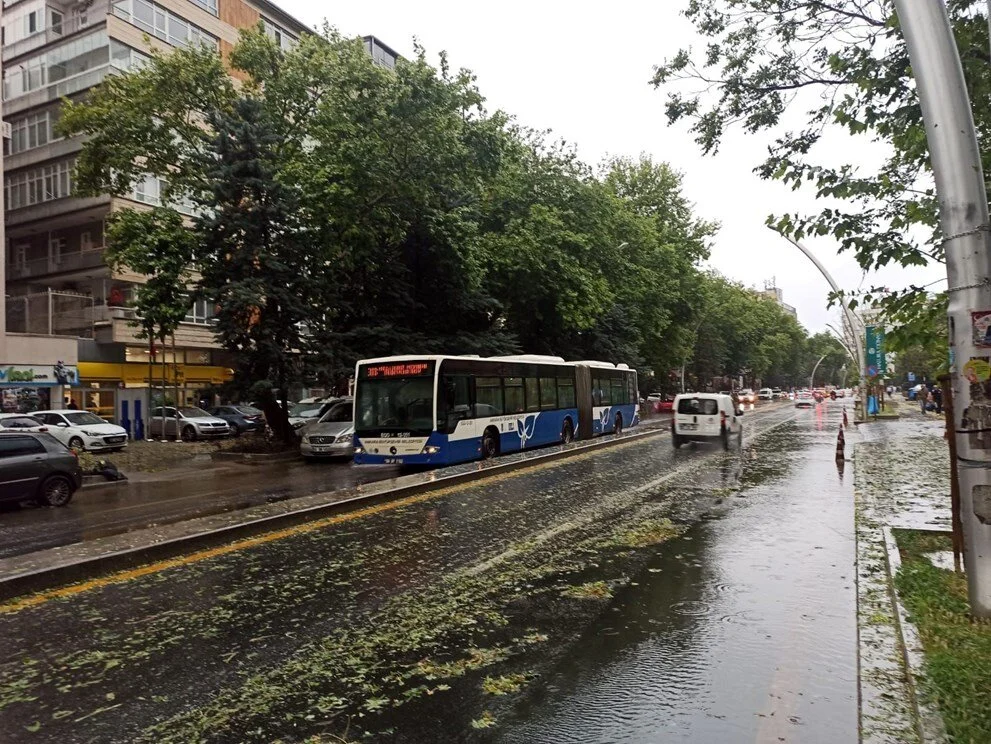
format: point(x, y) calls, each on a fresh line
point(57, 281)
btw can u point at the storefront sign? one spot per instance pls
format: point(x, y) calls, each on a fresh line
point(56, 374)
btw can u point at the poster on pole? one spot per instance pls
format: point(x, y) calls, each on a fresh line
point(980, 323)
point(876, 358)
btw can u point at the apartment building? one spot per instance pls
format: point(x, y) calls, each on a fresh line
point(57, 282)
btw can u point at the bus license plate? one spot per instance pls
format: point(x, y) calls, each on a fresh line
point(393, 461)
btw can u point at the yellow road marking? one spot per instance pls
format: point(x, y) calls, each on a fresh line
point(34, 600)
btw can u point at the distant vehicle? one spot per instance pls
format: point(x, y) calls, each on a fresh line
point(777, 393)
point(332, 435)
point(37, 466)
point(192, 423)
point(840, 393)
point(438, 410)
point(241, 419)
point(702, 416)
point(21, 422)
point(82, 430)
point(804, 399)
point(765, 394)
point(746, 395)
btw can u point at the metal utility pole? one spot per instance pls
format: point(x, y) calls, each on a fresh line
point(856, 326)
point(963, 220)
point(813, 375)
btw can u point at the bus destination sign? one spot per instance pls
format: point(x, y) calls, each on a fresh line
point(398, 369)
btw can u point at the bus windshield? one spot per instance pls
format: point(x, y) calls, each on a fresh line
point(396, 403)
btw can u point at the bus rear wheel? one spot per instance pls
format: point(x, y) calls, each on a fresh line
point(490, 444)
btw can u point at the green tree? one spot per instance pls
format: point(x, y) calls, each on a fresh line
point(842, 69)
point(159, 245)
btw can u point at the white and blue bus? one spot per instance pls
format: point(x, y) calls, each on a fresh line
point(439, 410)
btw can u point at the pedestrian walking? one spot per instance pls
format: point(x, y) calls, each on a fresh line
point(938, 399)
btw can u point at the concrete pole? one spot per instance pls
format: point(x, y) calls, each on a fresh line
point(856, 325)
point(963, 221)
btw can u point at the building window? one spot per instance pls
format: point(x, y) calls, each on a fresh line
point(56, 247)
point(283, 39)
point(122, 57)
point(85, 241)
point(210, 6)
point(30, 132)
point(159, 22)
point(61, 63)
point(152, 190)
point(36, 185)
point(201, 313)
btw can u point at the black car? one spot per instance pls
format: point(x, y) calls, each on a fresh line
point(241, 418)
point(37, 466)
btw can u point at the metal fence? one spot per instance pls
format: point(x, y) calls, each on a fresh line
point(51, 313)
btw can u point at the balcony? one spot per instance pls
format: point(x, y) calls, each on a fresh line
point(93, 15)
point(65, 263)
point(51, 314)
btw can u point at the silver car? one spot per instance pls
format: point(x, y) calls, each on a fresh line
point(333, 434)
point(192, 423)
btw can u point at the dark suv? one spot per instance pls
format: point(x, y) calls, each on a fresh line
point(36, 466)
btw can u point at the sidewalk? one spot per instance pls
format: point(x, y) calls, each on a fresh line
point(902, 480)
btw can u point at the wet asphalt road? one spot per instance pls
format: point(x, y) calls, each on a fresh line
point(741, 629)
point(188, 494)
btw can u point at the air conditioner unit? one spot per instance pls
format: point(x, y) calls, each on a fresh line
point(6, 130)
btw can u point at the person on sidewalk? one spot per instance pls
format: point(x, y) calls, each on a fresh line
point(938, 399)
point(922, 395)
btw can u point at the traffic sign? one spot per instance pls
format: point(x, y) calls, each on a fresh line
point(872, 370)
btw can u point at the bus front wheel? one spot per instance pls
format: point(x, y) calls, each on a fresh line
point(490, 444)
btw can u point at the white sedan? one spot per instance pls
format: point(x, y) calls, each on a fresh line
point(82, 430)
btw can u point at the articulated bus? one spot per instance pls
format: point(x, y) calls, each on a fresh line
point(439, 410)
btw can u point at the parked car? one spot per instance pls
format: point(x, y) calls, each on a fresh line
point(82, 430)
point(37, 466)
point(192, 423)
point(302, 414)
point(706, 416)
point(240, 419)
point(332, 435)
point(765, 394)
point(21, 422)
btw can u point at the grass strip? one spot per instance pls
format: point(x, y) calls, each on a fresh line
point(957, 646)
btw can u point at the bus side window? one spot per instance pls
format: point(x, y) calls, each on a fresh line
point(455, 402)
point(618, 394)
point(488, 397)
point(548, 392)
point(532, 385)
point(565, 393)
point(513, 388)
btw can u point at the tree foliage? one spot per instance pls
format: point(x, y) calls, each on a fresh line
point(348, 211)
point(842, 70)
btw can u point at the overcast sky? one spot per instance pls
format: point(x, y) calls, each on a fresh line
point(585, 75)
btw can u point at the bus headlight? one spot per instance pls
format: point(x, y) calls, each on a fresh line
point(431, 449)
point(359, 450)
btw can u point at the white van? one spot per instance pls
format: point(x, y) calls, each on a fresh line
point(765, 394)
point(701, 416)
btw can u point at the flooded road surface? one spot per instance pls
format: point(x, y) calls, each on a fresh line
point(635, 593)
point(743, 630)
point(142, 504)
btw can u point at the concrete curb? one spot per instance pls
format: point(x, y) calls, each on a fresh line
point(931, 728)
point(255, 457)
point(72, 570)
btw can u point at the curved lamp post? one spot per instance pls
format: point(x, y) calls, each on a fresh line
point(856, 325)
point(813, 375)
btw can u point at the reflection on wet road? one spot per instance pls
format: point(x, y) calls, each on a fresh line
point(742, 630)
point(738, 625)
point(92, 515)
